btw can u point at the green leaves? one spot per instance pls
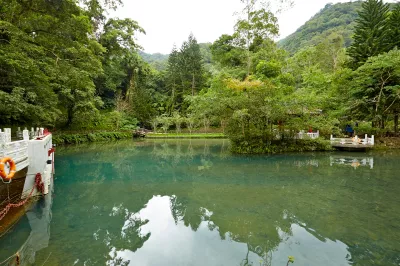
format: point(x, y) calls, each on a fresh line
point(184, 74)
point(270, 69)
point(258, 23)
point(377, 85)
point(119, 34)
point(333, 18)
point(394, 27)
point(56, 57)
point(371, 32)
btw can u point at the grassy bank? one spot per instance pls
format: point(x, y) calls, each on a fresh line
point(185, 136)
point(386, 143)
point(76, 138)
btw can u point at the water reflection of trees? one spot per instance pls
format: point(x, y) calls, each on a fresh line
point(253, 200)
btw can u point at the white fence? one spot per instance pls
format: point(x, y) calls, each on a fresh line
point(308, 135)
point(354, 141)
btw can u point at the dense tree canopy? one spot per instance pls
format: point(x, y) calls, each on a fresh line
point(338, 18)
point(48, 62)
point(371, 35)
point(66, 65)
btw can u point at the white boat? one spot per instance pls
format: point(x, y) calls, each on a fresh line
point(26, 170)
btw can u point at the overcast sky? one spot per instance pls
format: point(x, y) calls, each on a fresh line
point(171, 21)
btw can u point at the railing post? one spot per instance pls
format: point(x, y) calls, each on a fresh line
point(7, 132)
point(25, 134)
point(2, 137)
point(372, 140)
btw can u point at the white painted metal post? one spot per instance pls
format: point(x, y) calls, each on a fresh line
point(8, 134)
point(25, 134)
point(2, 138)
point(372, 140)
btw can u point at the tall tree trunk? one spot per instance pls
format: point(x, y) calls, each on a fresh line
point(172, 107)
point(248, 41)
point(193, 84)
point(248, 62)
point(70, 115)
point(131, 89)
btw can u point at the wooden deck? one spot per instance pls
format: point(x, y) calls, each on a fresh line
point(353, 144)
point(351, 147)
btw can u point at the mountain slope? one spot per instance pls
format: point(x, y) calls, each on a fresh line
point(157, 60)
point(339, 18)
point(160, 61)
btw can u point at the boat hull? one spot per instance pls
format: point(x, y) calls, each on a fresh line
point(32, 157)
point(14, 189)
point(12, 193)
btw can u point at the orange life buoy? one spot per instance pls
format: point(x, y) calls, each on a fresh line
point(13, 168)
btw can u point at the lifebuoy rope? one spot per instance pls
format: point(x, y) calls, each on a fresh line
point(39, 185)
point(9, 258)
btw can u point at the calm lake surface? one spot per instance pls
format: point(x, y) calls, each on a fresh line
point(182, 202)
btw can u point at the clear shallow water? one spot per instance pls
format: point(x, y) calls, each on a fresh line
point(192, 203)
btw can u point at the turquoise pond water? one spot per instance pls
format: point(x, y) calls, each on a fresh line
point(182, 202)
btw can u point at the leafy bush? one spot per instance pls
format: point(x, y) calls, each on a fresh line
point(257, 146)
point(71, 138)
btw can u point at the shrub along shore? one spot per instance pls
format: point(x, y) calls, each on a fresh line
point(77, 138)
point(186, 136)
point(239, 146)
point(242, 146)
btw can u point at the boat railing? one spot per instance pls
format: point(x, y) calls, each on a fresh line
point(17, 150)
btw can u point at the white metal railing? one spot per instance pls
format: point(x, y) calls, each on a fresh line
point(17, 150)
point(354, 141)
point(308, 135)
point(5, 137)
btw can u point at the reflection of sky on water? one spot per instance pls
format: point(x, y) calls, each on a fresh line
point(310, 250)
point(172, 243)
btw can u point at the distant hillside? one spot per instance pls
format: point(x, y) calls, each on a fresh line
point(339, 18)
point(160, 61)
point(157, 60)
point(206, 52)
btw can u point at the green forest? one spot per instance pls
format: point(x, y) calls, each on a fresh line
point(68, 66)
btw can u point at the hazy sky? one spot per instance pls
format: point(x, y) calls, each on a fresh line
point(171, 21)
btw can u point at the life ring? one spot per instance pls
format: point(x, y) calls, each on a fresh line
point(13, 168)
